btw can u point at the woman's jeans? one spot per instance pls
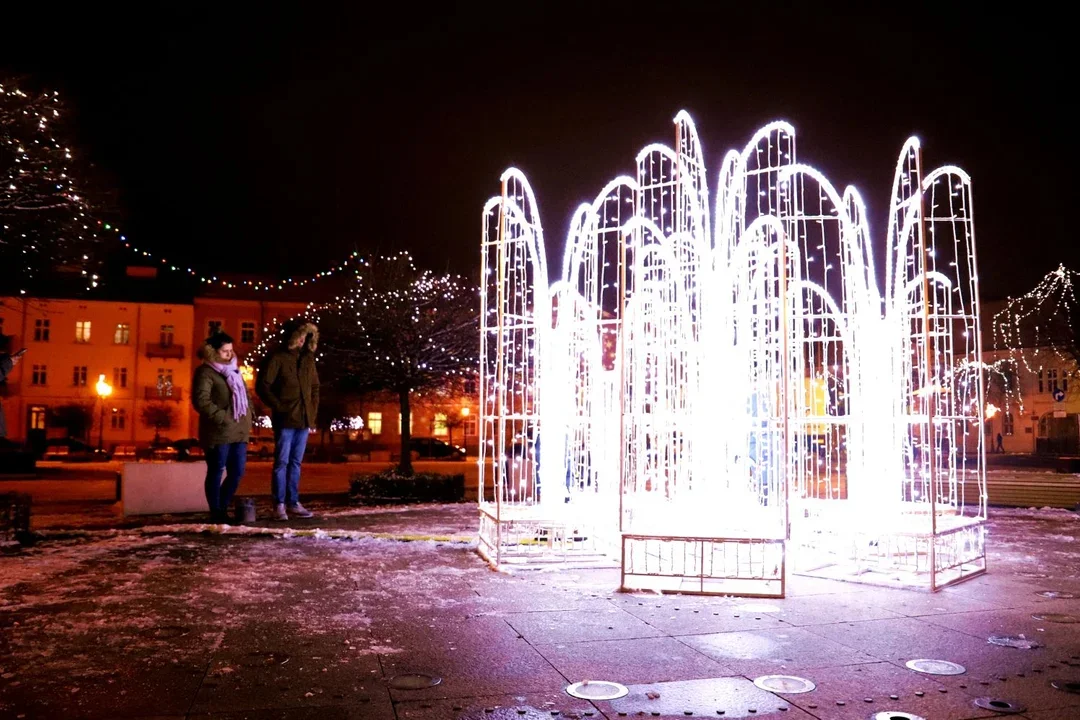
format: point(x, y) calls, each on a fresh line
point(232, 458)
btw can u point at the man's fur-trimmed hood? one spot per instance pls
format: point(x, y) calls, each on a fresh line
point(296, 332)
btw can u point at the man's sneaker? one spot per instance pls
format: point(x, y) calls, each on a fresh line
point(279, 512)
point(299, 510)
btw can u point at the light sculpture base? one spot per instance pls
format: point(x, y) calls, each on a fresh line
point(532, 537)
point(902, 548)
point(747, 567)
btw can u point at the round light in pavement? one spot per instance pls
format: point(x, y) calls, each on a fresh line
point(596, 690)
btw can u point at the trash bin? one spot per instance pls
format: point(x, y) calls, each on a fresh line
point(245, 511)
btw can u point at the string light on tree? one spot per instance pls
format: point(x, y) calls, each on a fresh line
point(45, 221)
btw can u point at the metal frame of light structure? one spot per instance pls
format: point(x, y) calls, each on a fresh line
point(753, 356)
point(899, 430)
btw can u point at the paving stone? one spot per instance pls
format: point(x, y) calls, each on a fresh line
point(853, 684)
point(277, 680)
point(537, 706)
point(916, 603)
point(826, 609)
point(1032, 689)
point(1056, 636)
point(805, 586)
point(787, 651)
point(383, 711)
point(637, 661)
point(562, 626)
point(123, 691)
point(479, 668)
point(682, 619)
point(736, 697)
point(910, 638)
point(1058, 714)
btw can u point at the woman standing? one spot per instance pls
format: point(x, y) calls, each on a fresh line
point(220, 397)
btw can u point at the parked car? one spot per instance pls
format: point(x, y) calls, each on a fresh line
point(161, 448)
point(261, 448)
point(72, 450)
point(429, 448)
point(188, 449)
point(126, 453)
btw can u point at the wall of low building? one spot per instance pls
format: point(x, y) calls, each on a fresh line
point(1033, 394)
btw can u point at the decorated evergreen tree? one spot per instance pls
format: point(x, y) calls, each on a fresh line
point(45, 222)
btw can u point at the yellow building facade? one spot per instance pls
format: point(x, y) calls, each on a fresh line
point(143, 351)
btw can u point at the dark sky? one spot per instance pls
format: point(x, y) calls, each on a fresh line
point(278, 141)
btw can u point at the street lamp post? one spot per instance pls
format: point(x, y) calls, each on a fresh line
point(104, 390)
point(464, 414)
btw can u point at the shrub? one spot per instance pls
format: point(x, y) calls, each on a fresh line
point(392, 487)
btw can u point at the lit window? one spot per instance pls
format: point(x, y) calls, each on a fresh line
point(438, 424)
point(41, 331)
point(164, 382)
point(78, 378)
point(37, 417)
point(247, 332)
point(374, 421)
point(123, 334)
point(119, 376)
point(82, 331)
point(119, 419)
point(39, 375)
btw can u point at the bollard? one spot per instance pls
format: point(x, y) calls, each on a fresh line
point(245, 511)
point(14, 517)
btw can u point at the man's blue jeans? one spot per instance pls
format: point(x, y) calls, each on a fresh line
point(232, 458)
point(289, 445)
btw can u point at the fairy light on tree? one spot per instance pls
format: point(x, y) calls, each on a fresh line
point(45, 216)
point(401, 330)
point(1037, 329)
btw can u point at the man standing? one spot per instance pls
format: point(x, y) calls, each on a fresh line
point(289, 385)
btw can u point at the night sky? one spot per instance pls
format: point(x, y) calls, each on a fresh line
point(277, 142)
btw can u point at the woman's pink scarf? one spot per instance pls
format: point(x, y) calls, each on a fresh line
point(232, 376)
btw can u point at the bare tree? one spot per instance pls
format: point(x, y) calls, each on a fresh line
point(45, 221)
point(400, 330)
point(159, 416)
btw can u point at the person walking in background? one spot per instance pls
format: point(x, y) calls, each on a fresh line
point(289, 385)
point(220, 397)
point(8, 361)
point(1000, 447)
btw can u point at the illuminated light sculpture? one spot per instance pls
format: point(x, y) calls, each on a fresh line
point(697, 388)
point(704, 392)
point(889, 456)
